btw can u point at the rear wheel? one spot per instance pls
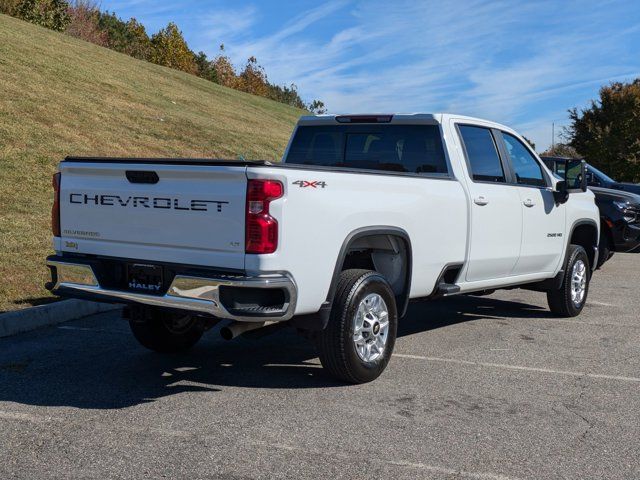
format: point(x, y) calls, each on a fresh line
point(165, 331)
point(569, 300)
point(358, 342)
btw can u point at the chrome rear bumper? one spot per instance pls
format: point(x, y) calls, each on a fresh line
point(196, 294)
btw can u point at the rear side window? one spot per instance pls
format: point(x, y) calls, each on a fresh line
point(398, 148)
point(525, 166)
point(484, 161)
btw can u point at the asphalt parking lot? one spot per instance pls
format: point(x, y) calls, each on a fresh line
point(479, 387)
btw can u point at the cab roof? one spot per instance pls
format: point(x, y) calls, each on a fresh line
point(397, 118)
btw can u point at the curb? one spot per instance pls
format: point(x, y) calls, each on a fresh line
point(28, 319)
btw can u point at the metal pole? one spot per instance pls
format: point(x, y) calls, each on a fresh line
point(553, 136)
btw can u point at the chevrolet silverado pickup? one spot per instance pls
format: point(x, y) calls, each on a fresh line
point(363, 214)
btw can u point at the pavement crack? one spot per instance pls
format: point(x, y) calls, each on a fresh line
point(573, 409)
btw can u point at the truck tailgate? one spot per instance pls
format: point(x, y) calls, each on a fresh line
point(193, 214)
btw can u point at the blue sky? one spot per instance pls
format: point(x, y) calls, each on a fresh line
point(519, 63)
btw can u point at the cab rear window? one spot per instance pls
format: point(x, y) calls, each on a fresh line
point(398, 148)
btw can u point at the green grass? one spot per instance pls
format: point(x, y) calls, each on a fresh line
point(61, 96)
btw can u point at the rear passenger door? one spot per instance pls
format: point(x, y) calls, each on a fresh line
point(543, 222)
point(495, 207)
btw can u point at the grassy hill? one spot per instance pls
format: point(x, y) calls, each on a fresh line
point(61, 96)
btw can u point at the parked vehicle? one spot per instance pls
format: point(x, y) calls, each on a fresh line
point(595, 178)
point(619, 212)
point(363, 214)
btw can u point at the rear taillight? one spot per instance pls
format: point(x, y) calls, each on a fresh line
point(55, 209)
point(261, 228)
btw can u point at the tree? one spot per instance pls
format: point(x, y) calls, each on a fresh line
point(169, 48)
point(317, 107)
point(225, 74)
point(561, 150)
point(116, 30)
point(84, 16)
point(531, 144)
point(9, 7)
point(111, 31)
point(205, 67)
point(46, 13)
point(138, 43)
point(252, 79)
point(608, 132)
point(287, 95)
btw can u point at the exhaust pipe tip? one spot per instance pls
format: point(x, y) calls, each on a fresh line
point(235, 329)
point(226, 333)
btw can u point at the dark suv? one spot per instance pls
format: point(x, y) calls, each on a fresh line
point(619, 210)
point(595, 178)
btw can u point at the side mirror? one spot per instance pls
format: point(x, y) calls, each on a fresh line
point(561, 193)
point(574, 179)
point(575, 175)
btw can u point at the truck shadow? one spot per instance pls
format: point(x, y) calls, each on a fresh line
point(96, 364)
point(431, 314)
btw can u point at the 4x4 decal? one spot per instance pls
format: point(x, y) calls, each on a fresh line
point(310, 183)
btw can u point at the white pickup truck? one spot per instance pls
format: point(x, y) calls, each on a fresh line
point(363, 214)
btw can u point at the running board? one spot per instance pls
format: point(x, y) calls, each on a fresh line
point(445, 289)
point(446, 284)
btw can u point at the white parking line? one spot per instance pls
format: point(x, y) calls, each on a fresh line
point(169, 432)
point(88, 329)
point(26, 417)
point(521, 368)
point(83, 329)
point(581, 322)
point(397, 463)
point(600, 304)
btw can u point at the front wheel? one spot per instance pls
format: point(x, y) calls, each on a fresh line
point(358, 341)
point(569, 300)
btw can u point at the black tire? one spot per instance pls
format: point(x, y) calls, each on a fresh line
point(335, 344)
point(165, 331)
point(560, 301)
point(604, 249)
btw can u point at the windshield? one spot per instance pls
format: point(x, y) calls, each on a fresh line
point(399, 148)
point(601, 176)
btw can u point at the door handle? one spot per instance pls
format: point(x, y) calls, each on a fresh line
point(481, 200)
point(529, 203)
